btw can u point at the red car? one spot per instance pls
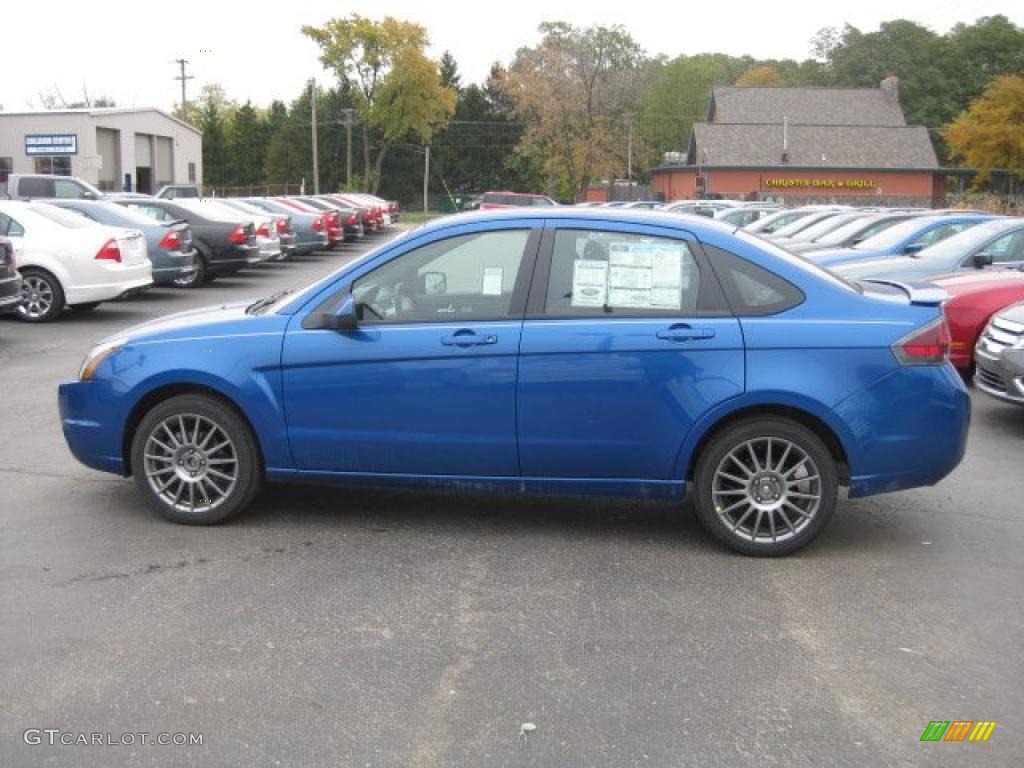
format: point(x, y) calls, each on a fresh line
point(975, 297)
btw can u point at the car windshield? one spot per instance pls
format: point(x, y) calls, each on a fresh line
point(966, 241)
point(897, 234)
point(126, 216)
point(813, 232)
point(69, 219)
point(854, 228)
point(801, 224)
point(211, 210)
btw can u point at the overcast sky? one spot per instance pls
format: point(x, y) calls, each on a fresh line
point(255, 50)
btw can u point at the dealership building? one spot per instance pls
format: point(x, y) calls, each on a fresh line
point(804, 145)
point(115, 149)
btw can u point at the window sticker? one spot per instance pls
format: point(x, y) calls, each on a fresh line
point(589, 283)
point(646, 275)
point(493, 277)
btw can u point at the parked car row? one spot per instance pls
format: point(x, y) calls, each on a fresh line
point(78, 251)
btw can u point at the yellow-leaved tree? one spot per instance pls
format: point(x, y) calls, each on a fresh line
point(990, 132)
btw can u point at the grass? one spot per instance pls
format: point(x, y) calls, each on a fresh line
point(419, 217)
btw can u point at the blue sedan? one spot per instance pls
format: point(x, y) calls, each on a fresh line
point(904, 239)
point(997, 243)
point(583, 351)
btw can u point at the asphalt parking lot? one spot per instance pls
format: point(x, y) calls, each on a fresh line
point(341, 628)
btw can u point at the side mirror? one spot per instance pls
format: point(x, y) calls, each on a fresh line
point(982, 260)
point(342, 317)
point(913, 248)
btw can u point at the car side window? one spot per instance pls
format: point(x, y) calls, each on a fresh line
point(465, 278)
point(67, 190)
point(154, 213)
point(9, 227)
point(1006, 249)
point(596, 273)
point(751, 290)
point(938, 234)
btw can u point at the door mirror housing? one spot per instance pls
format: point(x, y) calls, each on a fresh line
point(342, 317)
point(982, 260)
point(913, 248)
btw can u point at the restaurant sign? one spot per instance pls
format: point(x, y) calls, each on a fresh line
point(804, 183)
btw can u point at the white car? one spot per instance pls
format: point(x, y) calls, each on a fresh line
point(67, 260)
point(265, 227)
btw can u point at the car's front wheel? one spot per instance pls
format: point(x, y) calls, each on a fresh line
point(765, 486)
point(195, 460)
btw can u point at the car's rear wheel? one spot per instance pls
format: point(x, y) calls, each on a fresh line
point(42, 298)
point(765, 486)
point(195, 278)
point(195, 460)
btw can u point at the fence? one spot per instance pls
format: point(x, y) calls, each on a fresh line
point(254, 190)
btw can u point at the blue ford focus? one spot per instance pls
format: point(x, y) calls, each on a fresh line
point(584, 351)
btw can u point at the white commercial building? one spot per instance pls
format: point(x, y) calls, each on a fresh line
point(116, 149)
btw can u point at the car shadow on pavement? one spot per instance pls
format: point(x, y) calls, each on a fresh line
point(1005, 421)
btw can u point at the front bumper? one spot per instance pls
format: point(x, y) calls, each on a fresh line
point(1001, 377)
point(92, 429)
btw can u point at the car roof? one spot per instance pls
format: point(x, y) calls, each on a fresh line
point(650, 217)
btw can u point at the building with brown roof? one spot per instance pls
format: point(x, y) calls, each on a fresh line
point(805, 145)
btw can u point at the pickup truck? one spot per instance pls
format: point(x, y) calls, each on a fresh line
point(39, 186)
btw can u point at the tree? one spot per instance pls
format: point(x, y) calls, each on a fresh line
point(216, 147)
point(449, 71)
point(396, 89)
point(990, 134)
point(979, 52)
point(248, 140)
point(575, 90)
point(762, 76)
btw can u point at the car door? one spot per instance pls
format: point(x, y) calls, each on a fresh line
point(1005, 251)
point(626, 343)
point(426, 383)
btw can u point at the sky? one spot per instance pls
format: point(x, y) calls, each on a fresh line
point(127, 50)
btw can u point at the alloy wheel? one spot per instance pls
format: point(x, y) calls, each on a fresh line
point(191, 463)
point(766, 490)
point(36, 297)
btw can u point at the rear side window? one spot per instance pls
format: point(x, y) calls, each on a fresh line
point(751, 290)
point(35, 187)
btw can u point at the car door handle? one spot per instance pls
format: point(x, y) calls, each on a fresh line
point(684, 332)
point(468, 339)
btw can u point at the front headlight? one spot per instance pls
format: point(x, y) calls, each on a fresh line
point(96, 356)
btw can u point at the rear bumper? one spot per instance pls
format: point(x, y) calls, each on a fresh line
point(168, 266)
point(119, 281)
point(909, 429)
point(10, 293)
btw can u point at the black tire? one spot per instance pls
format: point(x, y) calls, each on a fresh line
point(87, 307)
point(206, 506)
point(195, 278)
point(38, 283)
point(719, 501)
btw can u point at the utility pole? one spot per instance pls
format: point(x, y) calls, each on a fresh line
point(316, 165)
point(629, 154)
point(349, 115)
point(426, 181)
point(183, 78)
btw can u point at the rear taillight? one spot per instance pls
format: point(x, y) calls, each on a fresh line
point(318, 224)
point(263, 230)
point(334, 220)
point(925, 346)
point(238, 236)
point(171, 241)
point(351, 218)
point(109, 251)
point(282, 226)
